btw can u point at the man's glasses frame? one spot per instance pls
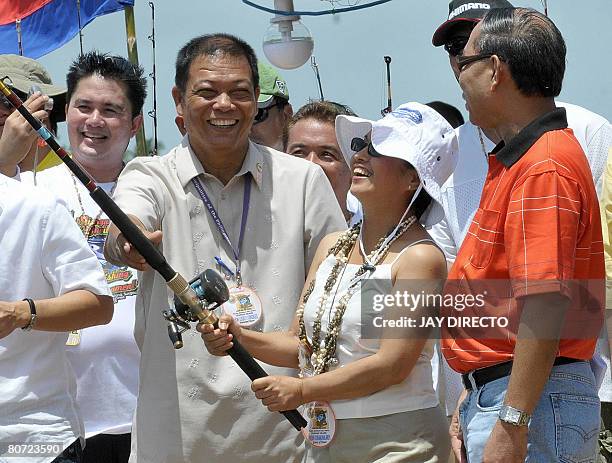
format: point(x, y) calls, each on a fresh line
point(357, 144)
point(463, 61)
point(264, 113)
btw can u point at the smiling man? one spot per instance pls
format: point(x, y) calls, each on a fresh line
point(311, 135)
point(105, 95)
point(275, 209)
point(530, 391)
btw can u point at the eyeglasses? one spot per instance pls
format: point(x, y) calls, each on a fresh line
point(263, 113)
point(463, 61)
point(455, 46)
point(357, 144)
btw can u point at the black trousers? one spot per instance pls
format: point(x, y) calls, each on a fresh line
point(107, 448)
point(72, 454)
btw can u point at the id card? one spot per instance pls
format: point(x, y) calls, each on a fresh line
point(321, 424)
point(244, 305)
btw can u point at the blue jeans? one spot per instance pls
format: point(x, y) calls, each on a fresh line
point(565, 424)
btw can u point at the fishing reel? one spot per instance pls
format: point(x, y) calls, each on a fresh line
point(211, 292)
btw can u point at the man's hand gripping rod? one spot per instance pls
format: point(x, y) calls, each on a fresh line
point(179, 286)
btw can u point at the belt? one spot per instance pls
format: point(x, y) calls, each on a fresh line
point(482, 376)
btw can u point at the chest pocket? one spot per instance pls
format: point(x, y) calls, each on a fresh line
point(485, 229)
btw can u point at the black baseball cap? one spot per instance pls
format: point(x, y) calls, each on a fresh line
point(462, 10)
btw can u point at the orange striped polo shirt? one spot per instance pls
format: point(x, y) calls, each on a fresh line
point(537, 230)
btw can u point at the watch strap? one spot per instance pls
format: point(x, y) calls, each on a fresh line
point(30, 325)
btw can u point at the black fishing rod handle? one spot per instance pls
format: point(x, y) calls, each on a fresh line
point(133, 234)
point(253, 370)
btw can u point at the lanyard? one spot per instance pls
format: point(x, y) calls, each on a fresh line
point(215, 216)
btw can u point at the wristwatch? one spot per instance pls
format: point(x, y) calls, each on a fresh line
point(30, 325)
point(513, 416)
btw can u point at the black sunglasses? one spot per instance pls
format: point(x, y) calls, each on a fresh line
point(263, 113)
point(455, 46)
point(4, 101)
point(357, 144)
point(463, 61)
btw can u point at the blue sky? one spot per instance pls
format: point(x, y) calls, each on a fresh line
point(349, 50)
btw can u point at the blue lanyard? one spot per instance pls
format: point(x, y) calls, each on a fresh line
point(215, 216)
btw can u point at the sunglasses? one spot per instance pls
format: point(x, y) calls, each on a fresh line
point(7, 104)
point(463, 61)
point(264, 113)
point(357, 144)
point(455, 46)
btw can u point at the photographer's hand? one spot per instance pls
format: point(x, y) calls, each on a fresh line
point(18, 136)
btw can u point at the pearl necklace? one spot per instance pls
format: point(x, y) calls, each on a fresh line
point(323, 353)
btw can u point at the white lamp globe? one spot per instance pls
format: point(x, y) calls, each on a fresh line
point(287, 43)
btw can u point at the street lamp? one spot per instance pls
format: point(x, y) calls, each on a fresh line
point(287, 43)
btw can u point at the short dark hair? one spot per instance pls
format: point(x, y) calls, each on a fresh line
point(423, 200)
point(322, 111)
point(530, 44)
point(211, 45)
point(452, 115)
point(110, 67)
point(421, 203)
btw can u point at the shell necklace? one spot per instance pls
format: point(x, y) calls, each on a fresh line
point(323, 352)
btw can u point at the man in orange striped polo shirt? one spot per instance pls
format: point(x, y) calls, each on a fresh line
point(534, 250)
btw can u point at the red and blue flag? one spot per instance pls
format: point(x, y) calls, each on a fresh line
point(45, 25)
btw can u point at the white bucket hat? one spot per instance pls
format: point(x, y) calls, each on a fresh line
point(415, 133)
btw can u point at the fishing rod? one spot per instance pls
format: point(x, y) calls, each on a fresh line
point(389, 107)
point(78, 11)
point(153, 76)
point(19, 36)
point(193, 302)
point(315, 68)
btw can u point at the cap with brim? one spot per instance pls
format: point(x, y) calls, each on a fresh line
point(464, 12)
point(271, 85)
point(415, 133)
point(441, 35)
point(23, 73)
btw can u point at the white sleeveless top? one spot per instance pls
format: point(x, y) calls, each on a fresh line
point(414, 393)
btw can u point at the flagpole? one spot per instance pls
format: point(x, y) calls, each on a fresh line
point(132, 47)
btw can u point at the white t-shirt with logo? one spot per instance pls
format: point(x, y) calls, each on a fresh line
point(106, 358)
point(461, 197)
point(43, 256)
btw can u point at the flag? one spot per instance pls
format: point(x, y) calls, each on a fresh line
point(47, 24)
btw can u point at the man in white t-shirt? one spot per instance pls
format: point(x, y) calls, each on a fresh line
point(105, 96)
point(461, 193)
point(51, 283)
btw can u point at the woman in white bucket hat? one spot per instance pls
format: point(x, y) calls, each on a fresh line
point(365, 373)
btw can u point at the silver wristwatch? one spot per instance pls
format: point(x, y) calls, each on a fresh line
point(513, 416)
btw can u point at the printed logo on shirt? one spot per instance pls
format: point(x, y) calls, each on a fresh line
point(120, 280)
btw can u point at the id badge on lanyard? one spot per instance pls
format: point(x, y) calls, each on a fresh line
point(244, 304)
